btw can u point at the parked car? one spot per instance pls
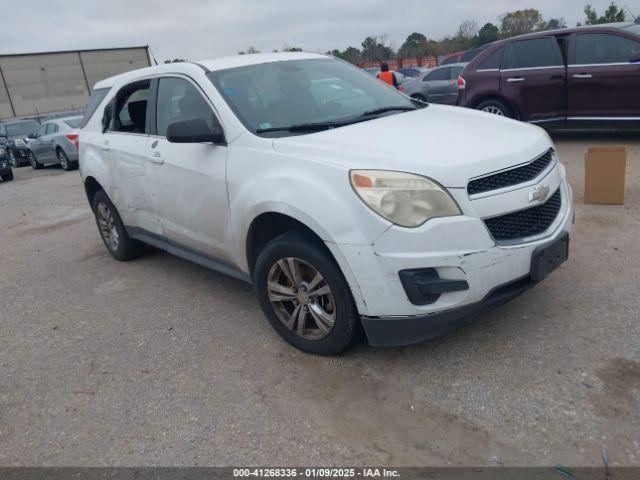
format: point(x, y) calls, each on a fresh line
point(67, 114)
point(462, 57)
point(411, 71)
point(570, 76)
point(6, 173)
point(55, 142)
point(331, 207)
point(436, 85)
point(13, 138)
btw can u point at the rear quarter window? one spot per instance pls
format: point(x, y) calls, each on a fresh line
point(493, 61)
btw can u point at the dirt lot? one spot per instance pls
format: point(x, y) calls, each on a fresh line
point(160, 362)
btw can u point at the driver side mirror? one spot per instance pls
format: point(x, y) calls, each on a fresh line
point(32, 135)
point(195, 130)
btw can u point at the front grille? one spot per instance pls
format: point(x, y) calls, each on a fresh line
point(511, 177)
point(525, 223)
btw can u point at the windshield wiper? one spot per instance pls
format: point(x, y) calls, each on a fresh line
point(380, 110)
point(304, 127)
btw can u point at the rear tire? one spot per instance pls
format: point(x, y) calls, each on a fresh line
point(496, 107)
point(7, 177)
point(115, 237)
point(33, 161)
point(419, 97)
point(64, 160)
point(304, 294)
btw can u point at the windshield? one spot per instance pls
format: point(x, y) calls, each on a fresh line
point(22, 128)
point(269, 96)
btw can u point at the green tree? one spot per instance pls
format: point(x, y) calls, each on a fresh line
point(555, 24)
point(375, 49)
point(413, 46)
point(520, 22)
point(291, 49)
point(175, 60)
point(611, 15)
point(487, 34)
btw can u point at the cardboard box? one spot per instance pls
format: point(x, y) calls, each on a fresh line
point(604, 174)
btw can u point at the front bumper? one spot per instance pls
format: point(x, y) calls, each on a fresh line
point(457, 248)
point(395, 332)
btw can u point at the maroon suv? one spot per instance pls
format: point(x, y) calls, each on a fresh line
point(580, 76)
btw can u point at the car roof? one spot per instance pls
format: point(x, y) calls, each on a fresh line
point(212, 65)
point(23, 120)
point(566, 31)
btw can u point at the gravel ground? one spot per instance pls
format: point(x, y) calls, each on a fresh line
point(161, 362)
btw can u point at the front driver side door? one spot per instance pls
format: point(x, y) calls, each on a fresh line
point(37, 144)
point(189, 178)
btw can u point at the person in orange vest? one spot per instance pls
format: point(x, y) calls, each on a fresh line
point(386, 76)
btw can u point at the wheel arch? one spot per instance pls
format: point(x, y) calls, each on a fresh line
point(269, 224)
point(496, 96)
point(91, 187)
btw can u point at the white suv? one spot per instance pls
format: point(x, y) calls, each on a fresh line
point(342, 200)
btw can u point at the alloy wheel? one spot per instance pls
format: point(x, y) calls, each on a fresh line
point(301, 298)
point(493, 109)
point(12, 159)
point(62, 158)
point(107, 224)
point(32, 160)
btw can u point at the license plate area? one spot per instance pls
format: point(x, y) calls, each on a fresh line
point(547, 258)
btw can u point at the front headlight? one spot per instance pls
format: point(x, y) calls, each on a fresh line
point(405, 199)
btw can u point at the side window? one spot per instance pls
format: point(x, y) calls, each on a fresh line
point(539, 52)
point(42, 130)
point(178, 99)
point(3, 131)
point(455, 72)
point(97, 96)
point(438, 74)
point(51, 128)
point(598, 48)
point(131, 108)
point(493, 61)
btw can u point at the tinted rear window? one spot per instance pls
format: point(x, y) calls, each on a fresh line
point(97, 96)
point(438, 74)
point(598, 48)
point(493, 61)
point(471, 54)
point(539, 52)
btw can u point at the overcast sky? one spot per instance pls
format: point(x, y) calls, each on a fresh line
point(198, 29)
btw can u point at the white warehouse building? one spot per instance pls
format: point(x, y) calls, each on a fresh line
point(32, 84)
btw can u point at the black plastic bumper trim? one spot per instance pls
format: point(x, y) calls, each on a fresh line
point(424, 286)
point(400, 331)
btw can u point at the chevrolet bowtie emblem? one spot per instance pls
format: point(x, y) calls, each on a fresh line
point(539, 194)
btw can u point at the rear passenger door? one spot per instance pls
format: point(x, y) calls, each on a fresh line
point(533, 78)
point(124, 144)
point(190, 179)
point(47, 153)
point(37, 144)
point(603, 81)
point(437, 85)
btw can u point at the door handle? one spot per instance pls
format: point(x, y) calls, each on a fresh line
point(583, 75)
point(515, 79)
point(105, 146)
point(156, 158)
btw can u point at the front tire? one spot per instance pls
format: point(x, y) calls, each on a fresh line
point(115, 237)
point(496, 107)
point(33, 161)
point(304, 294)
point(7, 177)
point(12, 159)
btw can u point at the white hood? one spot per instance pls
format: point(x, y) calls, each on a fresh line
point(449, 144)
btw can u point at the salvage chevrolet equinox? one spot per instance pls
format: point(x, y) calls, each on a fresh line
point(342, 201)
